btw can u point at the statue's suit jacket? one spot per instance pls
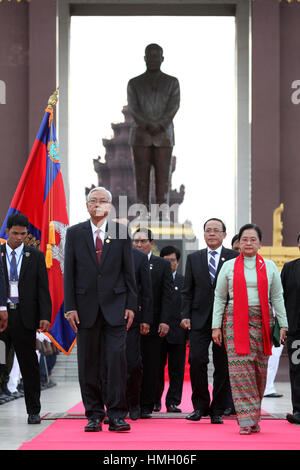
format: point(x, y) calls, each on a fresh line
point(198, 291)
point(153, 98)
point(89, 286)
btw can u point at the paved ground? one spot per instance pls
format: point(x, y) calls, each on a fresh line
point(14, 429)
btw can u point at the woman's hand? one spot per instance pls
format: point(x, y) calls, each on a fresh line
point(217, 336)
point(282, 335)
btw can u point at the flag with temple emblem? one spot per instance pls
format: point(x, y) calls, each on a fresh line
point(40, 195)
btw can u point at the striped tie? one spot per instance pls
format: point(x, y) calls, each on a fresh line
point(212, 266)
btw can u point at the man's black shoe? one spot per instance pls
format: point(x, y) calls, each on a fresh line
point(216, 419)
point(173, 409)
point(293, 418)
point(195, 416)
point(93, 425)
point(273, 395)
point(145, 414)
point(157, 407)
point(134, 412)
point(118, 424)
point(34, 419)
point(229, 411)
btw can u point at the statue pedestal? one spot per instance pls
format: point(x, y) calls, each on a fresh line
point(169, 233)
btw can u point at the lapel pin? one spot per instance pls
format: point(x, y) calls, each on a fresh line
point(176, 288)
point(107, 240)
point(151, 266)
point(27, 254)
point(223, 259)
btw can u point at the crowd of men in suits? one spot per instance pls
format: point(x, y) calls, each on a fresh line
point(133, 314)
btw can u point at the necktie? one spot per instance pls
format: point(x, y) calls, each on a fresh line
point(212, 266)
point(99, 246)
point(13, 276)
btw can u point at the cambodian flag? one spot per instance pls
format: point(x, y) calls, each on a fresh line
point(41, 197)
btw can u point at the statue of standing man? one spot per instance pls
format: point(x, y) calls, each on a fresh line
point(153, 100)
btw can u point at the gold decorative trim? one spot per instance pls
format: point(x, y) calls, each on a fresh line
point(278, 253)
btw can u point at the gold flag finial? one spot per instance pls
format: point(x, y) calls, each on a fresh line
point(53, 99)
point(277, 226)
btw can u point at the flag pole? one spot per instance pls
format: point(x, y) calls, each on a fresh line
point(52, 101)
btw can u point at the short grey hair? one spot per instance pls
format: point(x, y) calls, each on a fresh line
point(99, 188)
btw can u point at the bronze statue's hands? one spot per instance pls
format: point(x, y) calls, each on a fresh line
point(217, 336)
point(144, 328)
point(154, 129)
point(163, 329)
point(73, 319)
point(129, 316)
point(185, 324)
point(3, 320)
point(44, 325)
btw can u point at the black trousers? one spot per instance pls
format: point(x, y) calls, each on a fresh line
point(160, 158)
point(198, 359)
point(293, 349)
point(134, 366)
point(150, 348)
point(101, 346)
point(174, 354)
point(24, 343)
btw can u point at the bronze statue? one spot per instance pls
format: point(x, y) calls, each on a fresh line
point(153, 100)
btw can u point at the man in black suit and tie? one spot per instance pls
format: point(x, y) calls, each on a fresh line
point(140, 326)
point(202, 268)
point(174, 343)
point(162, 289)
point(3, 299)
point(290, 277)
point(100, 301)
point(29, 307)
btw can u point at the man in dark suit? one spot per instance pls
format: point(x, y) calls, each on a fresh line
point(290, 277)
point(140, 326)
point(153, 100)
point(174, 343)
point(162, 289)
point(3, 299)
point(202, 268)
point(100, 300)
point(29, 307)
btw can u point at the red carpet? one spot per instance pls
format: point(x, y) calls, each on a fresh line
point(166, 434)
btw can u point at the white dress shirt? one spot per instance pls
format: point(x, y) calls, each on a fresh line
point(95, 231)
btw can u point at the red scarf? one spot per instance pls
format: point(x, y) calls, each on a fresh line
point(240, 306)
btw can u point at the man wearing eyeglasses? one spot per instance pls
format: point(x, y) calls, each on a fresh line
point(100, 301)
point(202, 268)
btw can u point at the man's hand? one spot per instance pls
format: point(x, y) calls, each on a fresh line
point(217, 336)
point(185, 324)
point(144, 328)
point(73, 319)
point(163, 329)
point(44, 325)
point(3, 320)
point(129, 315)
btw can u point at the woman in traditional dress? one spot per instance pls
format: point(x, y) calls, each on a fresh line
point(246, 288)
